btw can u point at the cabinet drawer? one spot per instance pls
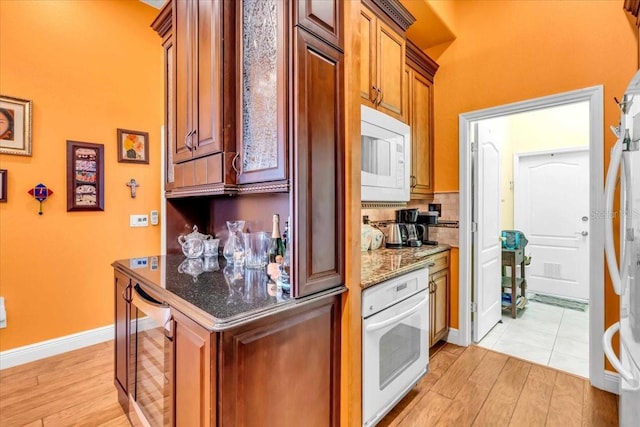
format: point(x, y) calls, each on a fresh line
point(440, 261)
point(205, 170)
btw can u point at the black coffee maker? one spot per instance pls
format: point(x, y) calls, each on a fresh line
point(412, 232)
point(427, 219)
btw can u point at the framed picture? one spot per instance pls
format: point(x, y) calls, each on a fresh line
point(85, 176)
point(3, 185)
point(133, 146)
point(15, 126)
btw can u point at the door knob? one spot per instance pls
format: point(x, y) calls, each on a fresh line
point(582, 233)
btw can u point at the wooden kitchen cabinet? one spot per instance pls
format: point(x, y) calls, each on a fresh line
point(439, 298)
point(263, 90)
point(122, 304)
point(265, 371)
point(283, 370)
point(200, 98)
point(382, 60)
point(420, 72)
point(318, 156)
point(194, 372)
point(198, 51)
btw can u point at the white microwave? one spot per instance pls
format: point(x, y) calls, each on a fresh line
point(386, 157)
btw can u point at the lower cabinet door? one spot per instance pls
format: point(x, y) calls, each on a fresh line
point(439, 325)
point(193, 379)
point(283, 370)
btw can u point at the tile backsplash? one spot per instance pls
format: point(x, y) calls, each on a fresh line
point(450, 208)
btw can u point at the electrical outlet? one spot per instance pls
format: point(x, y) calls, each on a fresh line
point(138, 262)
point(139, 220)
point(154, 217)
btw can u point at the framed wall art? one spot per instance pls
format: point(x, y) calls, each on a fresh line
point(85, 176)
point(15, 126)
point(133, 146)
point(3, 185)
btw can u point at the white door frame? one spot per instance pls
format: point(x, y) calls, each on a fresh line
point(594, 95)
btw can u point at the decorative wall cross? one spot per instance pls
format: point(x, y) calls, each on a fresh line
point(132, 184)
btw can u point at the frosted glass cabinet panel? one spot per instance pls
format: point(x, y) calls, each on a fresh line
point(263, 89)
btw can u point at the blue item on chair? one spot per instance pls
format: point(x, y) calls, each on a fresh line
point(513, 239)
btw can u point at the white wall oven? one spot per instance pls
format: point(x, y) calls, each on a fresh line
point(150, 365)
point(386, 157)
point(395, 340)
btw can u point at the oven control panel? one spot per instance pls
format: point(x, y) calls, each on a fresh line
point(392, 291)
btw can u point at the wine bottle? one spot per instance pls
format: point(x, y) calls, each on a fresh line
point(276, 247)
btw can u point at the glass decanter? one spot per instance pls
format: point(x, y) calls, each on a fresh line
point(234, 248)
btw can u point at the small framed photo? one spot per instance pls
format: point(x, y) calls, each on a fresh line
point(133, 146)
point(15, 126)
point(85, 176)
point(3, 185)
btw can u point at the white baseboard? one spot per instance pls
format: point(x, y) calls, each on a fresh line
point(612, 382)
point(454, 336)
point(29, 353)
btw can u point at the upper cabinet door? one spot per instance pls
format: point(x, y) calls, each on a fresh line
point(390, 60)
point(262, 87)
point(368, 57)
point(318, 151)
point(421, 120)
point(198, 52)
point(322, 18)
point(382, 59)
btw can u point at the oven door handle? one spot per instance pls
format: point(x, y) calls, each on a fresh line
point(375, 326)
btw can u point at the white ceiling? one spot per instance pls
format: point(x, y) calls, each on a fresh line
point(154, 3)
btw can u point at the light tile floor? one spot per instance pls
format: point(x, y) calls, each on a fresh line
point(545, 334)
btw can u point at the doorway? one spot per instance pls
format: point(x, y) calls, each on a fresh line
point(594, 99)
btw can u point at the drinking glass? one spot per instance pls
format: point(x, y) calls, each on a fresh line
point(256, 247)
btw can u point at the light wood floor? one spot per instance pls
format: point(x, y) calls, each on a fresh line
point(474, 386)
point(465, 386)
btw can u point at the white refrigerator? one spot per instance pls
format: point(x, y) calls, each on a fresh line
point(625, 271)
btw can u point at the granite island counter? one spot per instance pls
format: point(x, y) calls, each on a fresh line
point(228, 336)
point(217, 299)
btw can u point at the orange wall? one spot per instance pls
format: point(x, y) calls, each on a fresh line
point(89, 67)
point(509, 51)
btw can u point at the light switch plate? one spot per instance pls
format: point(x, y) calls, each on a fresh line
point(154, 217)
point(139, 220)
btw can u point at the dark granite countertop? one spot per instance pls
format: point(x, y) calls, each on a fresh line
point(216, 299)
point(383, 264)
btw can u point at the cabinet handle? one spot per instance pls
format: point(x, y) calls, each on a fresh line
point(431, 264)
point(193, 132)
point(234, 165)
point(126, 294)
point(187, 141)
point(414, 181)
point(381, 96)
point(377, 92)
point(168, 333)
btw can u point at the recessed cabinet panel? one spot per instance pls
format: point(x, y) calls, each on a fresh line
point(390, 59)
point(322, 18)
point(421, 133)
point(262, 86)
point(367, 56)
point(319, 158)
point(198, 53)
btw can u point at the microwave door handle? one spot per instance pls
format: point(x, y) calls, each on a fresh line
point(394, 319)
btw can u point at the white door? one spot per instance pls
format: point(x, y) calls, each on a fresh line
point(487, 291)
point(551, 207)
